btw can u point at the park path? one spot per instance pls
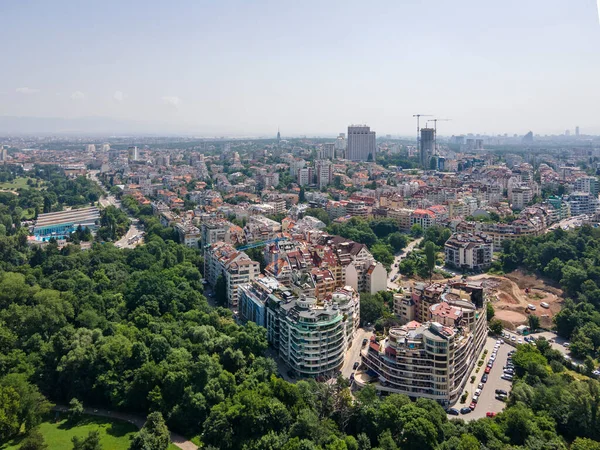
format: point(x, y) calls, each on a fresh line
point(135, 419)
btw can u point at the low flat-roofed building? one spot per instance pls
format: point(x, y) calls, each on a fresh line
point(62, 223)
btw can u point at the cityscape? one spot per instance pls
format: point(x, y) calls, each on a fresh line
point(221, 231)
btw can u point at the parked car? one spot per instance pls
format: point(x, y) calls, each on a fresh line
point(509, 371)
point(355, 365)
point(490, 414)
point(501, 391)
point(364, 342)
point(452, 411)
point(507, 377)
point(484, 378)
point(544, 305)
point(566, 345)
point(501, 397)
point(531, 307)
point(473, 405)
point(487, 369)
point(513, 338)
point(480, 386)
point(465, 410)
point(477, 391)
point(475, 399)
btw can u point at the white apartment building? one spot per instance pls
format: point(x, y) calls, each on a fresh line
point(237, 268)
point(521, 197)
point(215, 230)
point(189, 235)
point(431, 359)
point(324, 170)
point(304, 176)
point(361, 143)
point(469, 251)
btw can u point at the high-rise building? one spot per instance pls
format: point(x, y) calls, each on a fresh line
point(324, 171)
point(587, 184)
point(3, 153)
point(427, 145)
point(577, 131)
point(567, 132)
point(305, 176)
point(133, 153)
point(361, 143)
point(90, 148)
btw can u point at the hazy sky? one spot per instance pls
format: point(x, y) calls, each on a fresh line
point(309, 67)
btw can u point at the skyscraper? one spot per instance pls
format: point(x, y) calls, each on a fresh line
point(324, 171)
point(427, 144)
point(278, 136)
point(361, 143)
point(577, 131)
point(133, 153)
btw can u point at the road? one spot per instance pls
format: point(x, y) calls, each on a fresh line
point(353, 353)
point(129, 240)
point(409, 248)
point(487, 401)
point(136, 420)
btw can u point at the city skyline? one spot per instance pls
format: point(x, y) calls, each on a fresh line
point(234, 69)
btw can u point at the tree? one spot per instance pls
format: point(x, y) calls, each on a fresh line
point(90, 442)
point(416, 230)
point(496, 326)
point(34, 441)
point(302, 195)
point(371, 308)
point(489, 310)
point(398, 241)
point(534, 322)
point(430, 257)
point(75, 409)
point(221, 291)
point(154, 435)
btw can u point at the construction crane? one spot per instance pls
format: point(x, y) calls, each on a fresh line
point(435, 121)
point(418, 116)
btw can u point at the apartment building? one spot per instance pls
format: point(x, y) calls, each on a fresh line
point(215, 230)
point(583, 203)
point(236, 267)
point(260, 228)
point(189, 235)
point(310, 336)
point(469, 251)
point(431, 359)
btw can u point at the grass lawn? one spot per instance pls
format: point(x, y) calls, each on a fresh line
point(114, 434)
point(19, 182)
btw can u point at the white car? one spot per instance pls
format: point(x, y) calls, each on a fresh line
point(544, 305)
point(519, 341)
point(478, 392)
point(531, 307)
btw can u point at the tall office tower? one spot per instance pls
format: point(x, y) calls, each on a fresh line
point(278, 136)
point(361, 143)
point(577, 131)
point(133, 153)
point(3, 153)
point(90, 148)
point(105, 147)
point(324, 171)
point(427, 144)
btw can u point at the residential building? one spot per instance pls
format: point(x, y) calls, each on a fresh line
point(324, 170)
point(305, 176)
point(189, 235)
point(586, 184)
point(469, 251)
point(521, 197)
point(215, 230)
point(431, 359)
point(582, 203)
point(236, 267)
point(361, 143)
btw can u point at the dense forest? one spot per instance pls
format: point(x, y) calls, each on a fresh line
point(571, 259)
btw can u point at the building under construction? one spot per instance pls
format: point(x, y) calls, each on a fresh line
point(427, 146)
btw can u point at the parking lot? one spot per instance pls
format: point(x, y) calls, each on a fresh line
point(487, 400)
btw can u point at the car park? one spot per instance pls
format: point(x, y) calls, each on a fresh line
point(484, 378)
point(490, 414)
point(507, 377)
point(465, 410)
point(452, 411)
point(473, 405)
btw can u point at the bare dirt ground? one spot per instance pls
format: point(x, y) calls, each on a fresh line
point(510, 299)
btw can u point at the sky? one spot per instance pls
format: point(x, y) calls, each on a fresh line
point(307, 67)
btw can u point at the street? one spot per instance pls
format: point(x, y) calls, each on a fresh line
point(394, 271)
point(134, 235)
point(487, 400)
point(353, 353)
